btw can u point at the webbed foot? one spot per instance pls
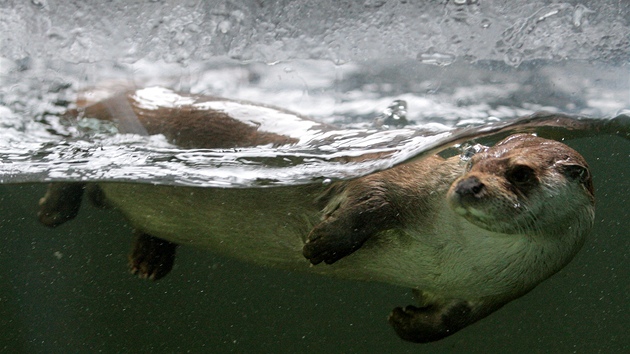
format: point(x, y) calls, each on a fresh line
point(431, 323)
point(152, 257)
point(435, 320)
point(60, 203)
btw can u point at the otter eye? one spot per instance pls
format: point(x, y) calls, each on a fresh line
point(521, 175)
point(576, 172)
point(579, 173)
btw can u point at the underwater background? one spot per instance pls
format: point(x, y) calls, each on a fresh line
point(455, 64)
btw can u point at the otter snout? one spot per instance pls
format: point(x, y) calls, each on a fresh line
point(467, 198)
point(470, 188)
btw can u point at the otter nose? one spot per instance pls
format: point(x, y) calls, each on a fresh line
point(470, 187)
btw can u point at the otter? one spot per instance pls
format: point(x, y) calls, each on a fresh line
point(467, 235)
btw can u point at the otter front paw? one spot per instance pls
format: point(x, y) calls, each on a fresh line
point(431, 323)
point(347, 227)
point(151, 257)
point(329, 242)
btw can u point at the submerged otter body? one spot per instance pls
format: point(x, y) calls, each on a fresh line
point(468, 237)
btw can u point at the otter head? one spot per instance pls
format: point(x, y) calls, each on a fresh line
point(526, 185)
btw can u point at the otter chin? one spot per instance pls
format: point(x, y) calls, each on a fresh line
point(466, 236)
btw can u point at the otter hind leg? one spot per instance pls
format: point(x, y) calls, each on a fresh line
point(96, 196)
point(430, 323)
point(152, 257)
point(435, 320)
point(60, 203)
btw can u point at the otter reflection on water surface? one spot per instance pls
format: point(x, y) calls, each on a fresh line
point(466, 236)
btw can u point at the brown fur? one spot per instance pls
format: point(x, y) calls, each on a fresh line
point(451, 231)
point(186, 127)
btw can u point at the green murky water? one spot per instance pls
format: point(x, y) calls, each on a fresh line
point(67, 289)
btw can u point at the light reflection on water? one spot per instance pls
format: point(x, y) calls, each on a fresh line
point(38, 145)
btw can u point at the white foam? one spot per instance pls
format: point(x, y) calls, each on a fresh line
point(156, 97)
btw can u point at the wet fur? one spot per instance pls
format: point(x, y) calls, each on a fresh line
point(467, 237)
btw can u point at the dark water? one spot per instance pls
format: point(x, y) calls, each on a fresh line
point(67, 290)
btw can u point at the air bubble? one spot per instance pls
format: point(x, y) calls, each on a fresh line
point(580, 13)
point(394, 115)
point(374, 3)
point(224, 26)
point(40, 3)
point(513, 58)
point(439, 59)
point(464, 2)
